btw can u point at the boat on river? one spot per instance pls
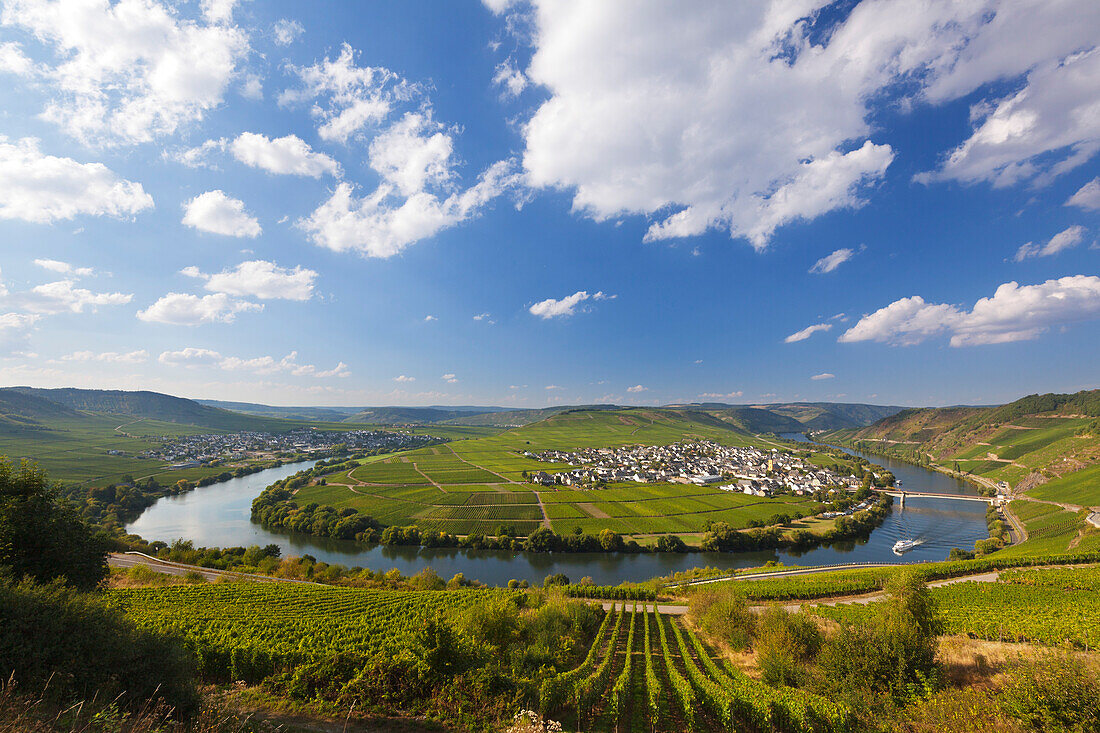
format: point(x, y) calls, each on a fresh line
point(905, 545)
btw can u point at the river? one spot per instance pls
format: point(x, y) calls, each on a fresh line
point(220, 516)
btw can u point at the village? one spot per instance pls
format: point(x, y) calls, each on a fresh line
point(187, 451)
point(742, 470)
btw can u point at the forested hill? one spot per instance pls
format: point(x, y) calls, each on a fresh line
point(49, 403)
point(1038, 439)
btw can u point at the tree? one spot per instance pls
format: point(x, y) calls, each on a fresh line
point(41, 538)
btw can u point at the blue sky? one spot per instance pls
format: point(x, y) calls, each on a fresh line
point(532, 203)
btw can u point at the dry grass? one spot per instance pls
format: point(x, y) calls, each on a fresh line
point(978, 663)
point(141, 576)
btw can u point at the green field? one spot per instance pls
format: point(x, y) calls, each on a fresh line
point(1081, 487)
point(461, 487)
point(1045, 606)
point(478, 486)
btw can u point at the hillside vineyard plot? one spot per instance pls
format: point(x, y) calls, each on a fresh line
point(247, 631)
point(645, 671)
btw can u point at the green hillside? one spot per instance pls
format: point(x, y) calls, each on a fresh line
point(833, 415)
point(1043, 446)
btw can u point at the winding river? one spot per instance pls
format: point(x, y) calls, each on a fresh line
point(219, 516)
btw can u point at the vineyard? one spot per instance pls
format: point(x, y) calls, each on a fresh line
point(246, 631)
point(649, 672)
point(1044, 606)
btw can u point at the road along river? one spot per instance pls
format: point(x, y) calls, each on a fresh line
point(220, 516)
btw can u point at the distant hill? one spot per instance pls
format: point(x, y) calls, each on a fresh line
point(328, 414)
point(802, 415)
point(20, 411)
point(1026, 443)
point(757, 420)
point(151, 405)
point(514, 418)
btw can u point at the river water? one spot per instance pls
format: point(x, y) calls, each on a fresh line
point(220, 516)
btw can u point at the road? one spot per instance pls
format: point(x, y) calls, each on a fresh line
point(125, 560)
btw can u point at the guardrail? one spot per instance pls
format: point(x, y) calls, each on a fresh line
point(795, 571)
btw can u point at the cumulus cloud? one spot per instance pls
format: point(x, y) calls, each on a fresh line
point(483, 317)
point(64, 268)
point(807, 332)
point(830, 262)
point(1087, 197)
point(288, 155)
point(636, 389)
point(287, 31)
point(184, 309)
point(217, 213)
point(259, 279)
point(380, 225)
point(15, 331)
point(402, 378)
point(64, 297)
point(197, 357)
point(683, 113)
point(567, 306)
point(450, 379)
point(429, 319)
point(357, 97)
point(721, 395)
point(823, 375)
point(1063, 240)
point(413, 154)
point(109, 357)
point(133, 70)
point(1046, 129)
point(1013, 313)
point(43, 188)
point(509, 78)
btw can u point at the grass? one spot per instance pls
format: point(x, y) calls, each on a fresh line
point(1080, 487)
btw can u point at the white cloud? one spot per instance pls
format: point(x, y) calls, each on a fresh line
point(378, 226)
point(483, 317)
point(288, 155)
point(721, 395)
point(1013, 313)
point(196, 357)
point(685, 112)
point(14, 61)
point(109, 357)
point(636, 389)
point(450, 379)
point(183, 309)
point(567, 306)
point(64, 268)
point(259, 279)
point(553, 387)
point(252, 87)
point(15, 332)
point(1063, 240)
point(429, 319)
point(358, 97)
point(402, 378)
point(823, 375)
point(63, 297)
point(199, 156)
point(217, 213)
point(1087, 197)
point(510, 79)
point(807, 332)
point(413, 154)
point(44, 188)
point(1049, 127)
point(830, 262)
point(133, 70)
point(217, 11)
point(287, 31)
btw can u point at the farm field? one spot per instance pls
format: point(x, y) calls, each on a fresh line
point(1036, 605)
point(1050, 528)
point(647, 671)
point(478, 486)
point(248, 630)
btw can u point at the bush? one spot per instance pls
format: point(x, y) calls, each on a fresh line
point(1054, 693)
point(784, 643)
point(53, 634)
point(724, 615)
